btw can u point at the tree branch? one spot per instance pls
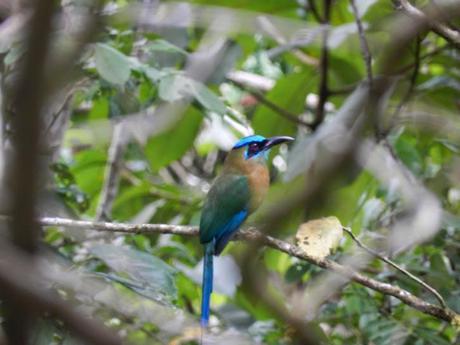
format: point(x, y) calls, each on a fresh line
point(273, 32)
point(252, 80)
point(407, 96)
point(314, 11)
point(112, 172)
point(25, 105)
point(396, 266)
point(323, 92)
point(254, 235)
point(363, 42)
point(450, 35)
point(25, 291)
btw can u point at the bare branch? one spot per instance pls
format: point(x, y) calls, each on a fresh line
point(396, 266)
point(254, 235)
point(314, 10)
point(363, 42)
point(273, 32)
point(251, 80)
point(407, 96)
point(25, 291)
point(112, 172)
point(25, 107)
point(323, 92)
point(405, 31)
point(182, 230)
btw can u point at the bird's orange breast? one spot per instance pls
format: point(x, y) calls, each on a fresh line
point(259, 181)
point(255, 170)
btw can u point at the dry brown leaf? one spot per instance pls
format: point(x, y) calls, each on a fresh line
point(319, 237)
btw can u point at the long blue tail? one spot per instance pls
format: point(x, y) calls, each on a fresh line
point(206, 288)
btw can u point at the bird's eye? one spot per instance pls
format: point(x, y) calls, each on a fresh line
point(253, 149)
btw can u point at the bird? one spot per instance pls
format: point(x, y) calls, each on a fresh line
point(237, 192)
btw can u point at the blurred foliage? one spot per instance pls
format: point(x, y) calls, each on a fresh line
point(165, 178)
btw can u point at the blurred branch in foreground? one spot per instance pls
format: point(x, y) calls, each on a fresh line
point(441, 29)
point(25, 292)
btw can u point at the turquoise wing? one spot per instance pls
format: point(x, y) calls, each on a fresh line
point(225, 209)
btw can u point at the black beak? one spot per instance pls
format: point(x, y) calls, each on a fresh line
point(276, 141)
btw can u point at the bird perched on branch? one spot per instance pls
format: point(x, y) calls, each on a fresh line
point(235, 194)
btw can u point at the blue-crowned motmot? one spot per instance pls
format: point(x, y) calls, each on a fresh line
point(237, 191)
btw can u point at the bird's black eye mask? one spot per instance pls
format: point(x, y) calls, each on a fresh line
point(254, 149)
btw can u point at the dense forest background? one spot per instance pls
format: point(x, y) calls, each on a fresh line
point(117, 115)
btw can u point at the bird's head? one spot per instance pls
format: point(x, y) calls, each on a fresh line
point(257, 145)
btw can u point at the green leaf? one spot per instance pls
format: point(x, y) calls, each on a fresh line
point(131, 200)
point(100, 109)
point(165, 148)
point(406, 148)
point(146, 274)
point(153, 74)
point(45, 333)
point(296, 272)
point(165, 46)
point(88, 170)
point(174, 87)
point(209, 100)
point(112, 65)
point(289, 93)
point(381, 330)
point(429, 336)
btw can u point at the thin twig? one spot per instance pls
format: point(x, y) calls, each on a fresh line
point(422, 57)
point(273, 32)
point(314, 11)
point(253, 235)
point(269, 104)
point(323, 92)
point(363, 42)
point(252, 80)
point(26, 105)
point(65, 103)
point(396, 266)
point(112, 172)
point(413, 78)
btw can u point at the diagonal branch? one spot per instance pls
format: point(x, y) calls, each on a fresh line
point(396, 266)
point(442, 30)
point(323, 92)
point(253, 235)
point(314, 11)
point(363, 42)
point(112, 172)
point(26, 292)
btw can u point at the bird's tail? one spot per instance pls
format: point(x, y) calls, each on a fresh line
point(207, 283)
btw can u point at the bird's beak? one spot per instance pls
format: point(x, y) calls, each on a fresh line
point(276, 141)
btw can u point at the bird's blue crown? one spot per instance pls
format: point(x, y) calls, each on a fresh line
point(255, 146)
point(248, 140)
